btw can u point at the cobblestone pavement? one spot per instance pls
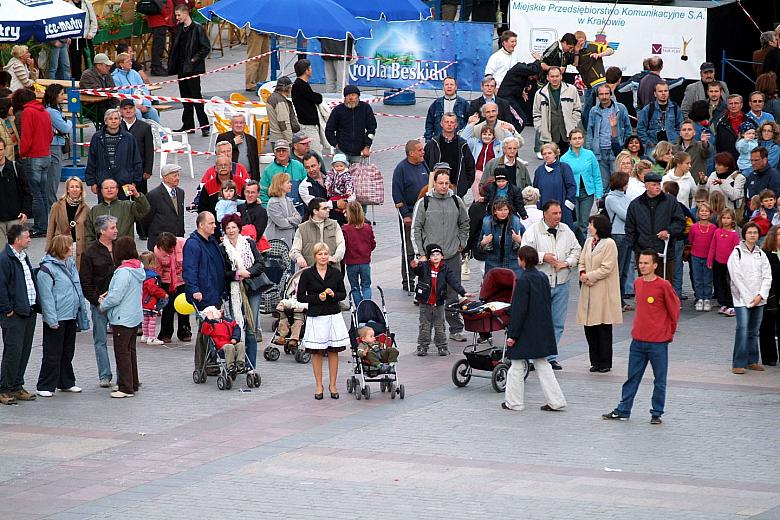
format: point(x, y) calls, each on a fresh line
point(179, 450)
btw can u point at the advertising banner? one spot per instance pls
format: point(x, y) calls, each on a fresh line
point(403, 53)
point(43, 20)
point(635, 32)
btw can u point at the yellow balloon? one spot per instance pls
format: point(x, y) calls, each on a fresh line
point(182, 306)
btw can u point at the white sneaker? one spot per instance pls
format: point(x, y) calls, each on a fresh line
point(699, 305)
point(143, 339)
point(72, 389)
point(120, 395)
point(44, 393)
point(105, 383)
point(707, 306)
point(465, 270)
point(154, 341)
point(115, 388)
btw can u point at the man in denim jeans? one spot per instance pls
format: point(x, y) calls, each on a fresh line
point(97, 267)
point(657, 314)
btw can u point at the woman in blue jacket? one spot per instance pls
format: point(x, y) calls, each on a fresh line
point(587, 177)
point(616, 205)
point(60, 295)
point(555, 181)
point(52, 98)
point(122, 303)
point(501, 236)
point(125, 76)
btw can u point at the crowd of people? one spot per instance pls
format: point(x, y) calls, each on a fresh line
point(613, 210)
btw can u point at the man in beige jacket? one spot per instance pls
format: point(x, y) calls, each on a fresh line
point(557, 110)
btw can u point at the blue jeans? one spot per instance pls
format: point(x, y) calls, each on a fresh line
point(100, 338)
point(53, 175)
point(640, 353)
point(250, 336)
point(624, 263)
point(359, 276)
point(59, 62)
point(746, 337)
point(560, 302)
point(678, 268)
point(606, 165)
point(37, 169)
point(152, 114)
point(588, 100)
point(584, 203)
point(702, 278)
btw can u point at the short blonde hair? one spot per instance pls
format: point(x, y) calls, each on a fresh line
point(19, 50)
point(551, 146)
point(661, 149)
point(60, 246)
point(121, 57)
point(319, 247)
point(619, 159)
point(76, 180)
point(531, 195)
point(278, 180)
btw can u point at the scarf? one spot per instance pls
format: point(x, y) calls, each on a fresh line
point(240, 257)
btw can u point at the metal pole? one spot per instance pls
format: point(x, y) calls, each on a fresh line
point(274, 57)
point(723, 66)
point(346, 63)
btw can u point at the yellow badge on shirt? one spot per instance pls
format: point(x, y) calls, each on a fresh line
point(650, 299)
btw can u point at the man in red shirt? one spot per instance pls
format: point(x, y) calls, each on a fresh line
point(657, 314)
point(35, 155)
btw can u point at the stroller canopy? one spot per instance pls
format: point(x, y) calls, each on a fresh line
point(498, 285)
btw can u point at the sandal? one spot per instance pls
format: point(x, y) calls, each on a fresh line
point(627, 308)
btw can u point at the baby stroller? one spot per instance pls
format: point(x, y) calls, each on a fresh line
point(214, 363)
point(368, 313)
point(293, 309)
point(278, 269)
point(489, 314)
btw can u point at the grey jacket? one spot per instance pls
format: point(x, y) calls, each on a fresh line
point(282, 121)
point(570, 105)
point(445, 222)
point(695, 92)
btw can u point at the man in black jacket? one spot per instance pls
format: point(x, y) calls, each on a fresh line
point(351, 126)
point(306, 102)
point(518, 87)
point(727, 127)
point(142, 131)
point(190, 48)
point(18, 295)
point(244, 146)
point(505, 111)
point(15, 197)
point(166, 206)
point(452, 149)
point(652, 219)
point(252, 212)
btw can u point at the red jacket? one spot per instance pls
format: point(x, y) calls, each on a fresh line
point(36, 131)
point(164, 19)
point(152, 292)
point(657, 311)
point(359, 244)
point(222, 331)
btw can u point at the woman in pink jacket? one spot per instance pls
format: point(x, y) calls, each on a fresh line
point(169, 254)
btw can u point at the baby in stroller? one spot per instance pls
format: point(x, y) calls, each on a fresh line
point(290, 307)
point(380, 356)
point(226, 335)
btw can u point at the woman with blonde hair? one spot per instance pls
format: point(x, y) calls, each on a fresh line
point(624, 162)
point(636, 179)
point(68, 215)
point(283, 219)
point(21, 67)
point(663, 155)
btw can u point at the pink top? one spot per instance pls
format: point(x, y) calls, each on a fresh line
point(723, 243)
point(700, 238)
point(168, 263)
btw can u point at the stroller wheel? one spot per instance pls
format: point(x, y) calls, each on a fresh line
point(367, 392)
point(498, 378)
point(266, 353)
point(222, 382)
point(273, 354)
point(228, 383)
point(461, 374)
point(196, 377)
point(350, 385)
point(358, 393)
point(382, 386)
point(401, 391)
point(391, 389)
point(257, 379)
point(302, 356)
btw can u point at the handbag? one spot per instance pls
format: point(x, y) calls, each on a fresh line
point(258, 284)
point(82, 316)
point(368, 182)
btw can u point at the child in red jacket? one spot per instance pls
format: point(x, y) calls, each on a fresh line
point(360, 242)
point(226, 335)
point(153, 300)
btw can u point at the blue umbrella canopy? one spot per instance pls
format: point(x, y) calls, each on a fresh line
point(392, 10)
point(43, 20)
point(308, 18)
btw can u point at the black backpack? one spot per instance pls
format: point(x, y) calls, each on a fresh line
point(149, 7)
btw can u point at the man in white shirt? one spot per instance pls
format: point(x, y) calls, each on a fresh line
point(559, 254)
point(503, 59)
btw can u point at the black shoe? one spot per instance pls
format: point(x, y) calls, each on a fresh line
point(555, 365)
point(594, 369)
point(604, 370)
point(548, 408)
point(205, 132)
point(422, 351)
point(334, 395)
point(531, 367)
point(318, 397)
point(614, 416)
point(444, 351)
point(655, 419)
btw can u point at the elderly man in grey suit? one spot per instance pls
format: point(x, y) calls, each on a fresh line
point(167, 206)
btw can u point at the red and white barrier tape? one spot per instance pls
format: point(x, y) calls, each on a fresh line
point(398, 115)
point(93, 91)
point(354, 56)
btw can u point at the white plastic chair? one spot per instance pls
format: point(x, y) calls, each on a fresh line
point(165, 143)
point(216, 106)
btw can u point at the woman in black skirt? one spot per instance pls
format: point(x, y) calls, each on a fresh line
point(322, 287)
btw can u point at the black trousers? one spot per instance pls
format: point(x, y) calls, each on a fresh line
point(407, 276)
point(166, 320)
point(59, 345)
point(599, 339)
point(191, 89)
point(18, 334)
point(721, 282)
point(767, 337)
point(158, 48)
point(484, 12)
point(126, 360)
point(77, 52)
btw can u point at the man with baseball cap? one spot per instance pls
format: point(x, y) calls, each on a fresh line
point(98, 76)
point(655, 221)
point(302, 145)
point(697, 91)
point(351, 126)
point(282, 164)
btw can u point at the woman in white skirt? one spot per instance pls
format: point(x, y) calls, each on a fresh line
point(322, 287)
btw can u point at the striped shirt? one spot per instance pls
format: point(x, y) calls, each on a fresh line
point(28, 279)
